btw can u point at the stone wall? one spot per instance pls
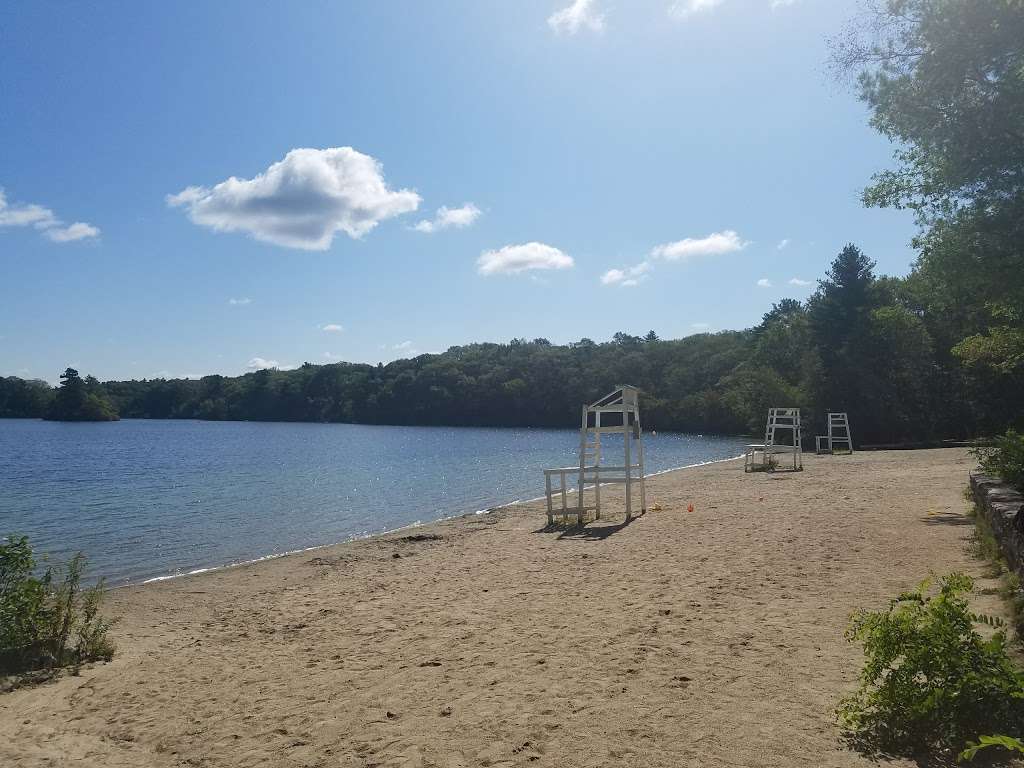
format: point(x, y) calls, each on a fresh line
point(1003, 508)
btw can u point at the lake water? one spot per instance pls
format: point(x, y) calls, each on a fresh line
point(151, 498)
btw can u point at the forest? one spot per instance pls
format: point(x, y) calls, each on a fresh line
point(938, 353)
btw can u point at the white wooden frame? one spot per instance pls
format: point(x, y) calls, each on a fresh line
point(779, 419)
point(838, 432)
point(622, 401)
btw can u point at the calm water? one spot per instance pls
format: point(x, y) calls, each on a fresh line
point(152, 498)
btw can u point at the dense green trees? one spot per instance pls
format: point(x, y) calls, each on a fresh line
point(79, 399)
point(945, 79)
point(21, 398)
point(859, 344)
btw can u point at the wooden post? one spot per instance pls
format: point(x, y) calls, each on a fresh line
point(547, 492)
point(643, 482)
point(583, 461)
point(629, 470)
point(564, 506)
point(597, 463)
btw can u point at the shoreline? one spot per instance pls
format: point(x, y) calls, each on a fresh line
point(379, 534)
point(709, 632)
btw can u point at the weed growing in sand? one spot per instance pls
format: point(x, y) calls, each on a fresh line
point(984, 546)
point(1004, 459)
point(930, 681)
point(47, 621)
point(985, 742)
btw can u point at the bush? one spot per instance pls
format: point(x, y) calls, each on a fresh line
point(1005, 459)
point(47, 621)
point(930, 682)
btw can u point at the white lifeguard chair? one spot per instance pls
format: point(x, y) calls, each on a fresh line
point(838, 432)
point(781, 421)
point(616, 413)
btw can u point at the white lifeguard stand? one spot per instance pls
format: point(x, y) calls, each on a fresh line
point(615, 413)
point(780, 422)
point(838, 434)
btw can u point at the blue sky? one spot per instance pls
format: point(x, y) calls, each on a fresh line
point(679, 143)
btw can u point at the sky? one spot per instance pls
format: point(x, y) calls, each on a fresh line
point(194, 187)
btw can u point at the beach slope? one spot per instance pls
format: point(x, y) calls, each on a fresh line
point(711, 638)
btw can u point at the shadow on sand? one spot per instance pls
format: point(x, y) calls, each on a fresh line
point(594, 530)
point(947, 518)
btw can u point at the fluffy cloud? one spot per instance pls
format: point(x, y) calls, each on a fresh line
point(77, 231)
point(448, 218)
point(683, 9)
point(798, 281)
point(404, 349)
point(764, 282)
point(628, 277)
point(783, 244)
point(715, 244)
point(513, 259)
point(332, 328)
point(301, 201)
point(240, 302)
point(581, 14)
point(45, 221)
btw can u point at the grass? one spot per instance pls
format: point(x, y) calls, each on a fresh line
point(984, 546)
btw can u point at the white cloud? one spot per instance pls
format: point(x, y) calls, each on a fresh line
point(798, 281)
point(764, 282)
point(629, 277)
point(783, 244)
point(581, 14)
point(301, 201)
point(331, 356)
point(513, 259)
point(45, 221)
point(332, 328)
point(260, 364)
point(715, 244)
point(447, 218)
point(240, 302)
point(683, 9)
point(77, 231)
point(405, 349)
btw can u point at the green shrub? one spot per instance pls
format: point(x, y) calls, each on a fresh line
point(1005, 459)
point(930, 682)
point(47, 621)
point(984, 742)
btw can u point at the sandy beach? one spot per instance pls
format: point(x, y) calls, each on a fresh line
point(711, 638)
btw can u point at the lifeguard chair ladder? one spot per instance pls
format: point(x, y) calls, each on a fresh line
point(839, 432)
point(780, 422)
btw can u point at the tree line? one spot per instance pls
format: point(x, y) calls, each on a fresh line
point(938, 353)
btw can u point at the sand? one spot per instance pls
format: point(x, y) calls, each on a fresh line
point(711, 638)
